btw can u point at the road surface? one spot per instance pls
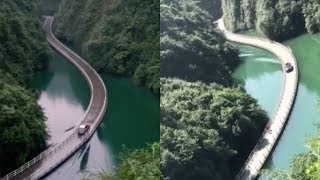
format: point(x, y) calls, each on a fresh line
point(270, 135)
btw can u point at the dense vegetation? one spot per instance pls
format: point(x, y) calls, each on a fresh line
point(305, 166)
point(22, 49)
point(49, 7)
point(121, 37)
point(22, 132)
point(22, 52)
point(208, 126)
point(278, 19)
point(138, 164)
point(190, 49)
point(206, 129)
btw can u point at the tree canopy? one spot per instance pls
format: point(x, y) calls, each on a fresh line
point(190, 49)
point(278, 19)
point(22, 49)
point(22, 53)
point(305, 166)
point(206, 130)
point(135, 164)
point(22, 127)
point(119, 37)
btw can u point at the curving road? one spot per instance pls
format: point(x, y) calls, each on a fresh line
point(268, 139)
point(54, 156)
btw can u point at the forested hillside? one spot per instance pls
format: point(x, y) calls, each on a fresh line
point(206, 130)
point(278, 19)
point(49, 7)
point(22, 52)
point(120, 37)
point(190, 49)
point(209, 125)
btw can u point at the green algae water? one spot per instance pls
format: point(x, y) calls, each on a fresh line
point(132, 118)
point(261, 74)
point(301, 124)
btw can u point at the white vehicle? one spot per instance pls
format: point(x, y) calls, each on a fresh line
point(83, 128)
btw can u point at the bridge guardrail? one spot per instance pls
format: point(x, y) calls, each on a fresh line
point(242, 170)
point(41, 156)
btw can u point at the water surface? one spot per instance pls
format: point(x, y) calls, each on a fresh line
point(132, 118)
point(263, 81)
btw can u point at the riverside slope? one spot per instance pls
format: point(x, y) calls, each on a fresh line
point(270, 135)
point(54, 156)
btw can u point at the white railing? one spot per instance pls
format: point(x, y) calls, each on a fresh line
point(282, 120)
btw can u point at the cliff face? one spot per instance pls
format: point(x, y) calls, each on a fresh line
point(277, 19)
point(120, 37)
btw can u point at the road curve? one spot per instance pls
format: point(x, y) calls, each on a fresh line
point(268, 139)
point(52, 157)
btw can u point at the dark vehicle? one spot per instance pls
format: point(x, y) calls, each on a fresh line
point(83, 129)
point(288, 67)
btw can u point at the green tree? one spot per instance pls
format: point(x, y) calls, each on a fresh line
point(190, 49)
point(207, 131)
point(22, 52)
point(22, 133)
point(278, 19)
point(305, 166)
point(120, 37)
point(135, 165)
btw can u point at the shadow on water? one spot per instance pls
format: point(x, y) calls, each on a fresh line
point(66, 79)
point(100, 133)
point(84, 159)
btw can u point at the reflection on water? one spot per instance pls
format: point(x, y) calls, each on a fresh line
point(261, 74)
point(132, 118)
point(60, 97)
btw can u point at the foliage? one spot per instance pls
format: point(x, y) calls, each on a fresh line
point(278, 19)
point(49, 7)
point(190, 49)
point(213, 7)
point(22, 126)
point(239, 14)
point(120, 37)
point(135, 165)
point(304, 166)
point(22, 49)
point(311, 11)
point(22, 52)
point(206, 130)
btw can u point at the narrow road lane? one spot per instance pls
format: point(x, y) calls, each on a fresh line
point(270, 135)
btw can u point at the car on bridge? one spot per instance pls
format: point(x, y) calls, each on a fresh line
point(83, 128)
point(288, 67)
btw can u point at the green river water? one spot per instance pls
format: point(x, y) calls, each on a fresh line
point(262, 76)
point(132, 118)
